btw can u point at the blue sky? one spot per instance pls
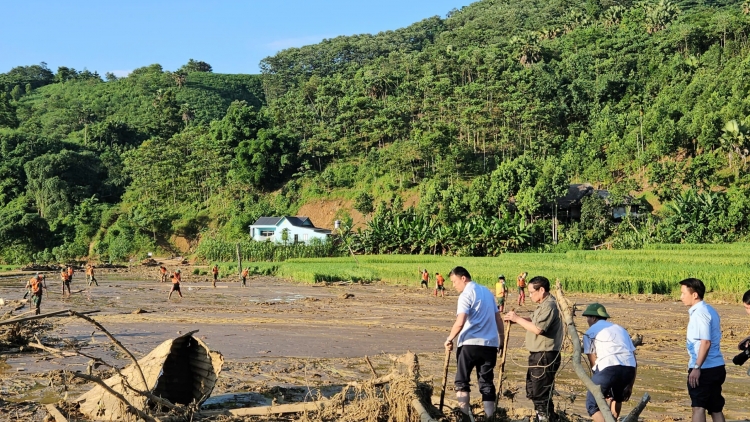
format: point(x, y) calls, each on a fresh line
point(232, 36)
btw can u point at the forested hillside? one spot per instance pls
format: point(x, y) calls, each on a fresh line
point(485, 116)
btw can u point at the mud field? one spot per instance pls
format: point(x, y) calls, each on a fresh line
point(283, 340)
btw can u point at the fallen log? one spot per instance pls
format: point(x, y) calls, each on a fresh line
point(279, 409)
point(59, 417)
point(566, 311)
point(422, 413)
point(40, 316)
point(636, 412)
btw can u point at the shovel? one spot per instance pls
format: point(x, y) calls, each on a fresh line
point(445, 377)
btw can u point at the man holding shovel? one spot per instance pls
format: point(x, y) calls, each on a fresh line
point(478, 335)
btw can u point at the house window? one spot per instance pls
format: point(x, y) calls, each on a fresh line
point(296, 238)
point(304, 237)
point(266, 233)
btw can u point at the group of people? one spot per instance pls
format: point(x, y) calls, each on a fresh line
point(439, 282)
point(478, 337)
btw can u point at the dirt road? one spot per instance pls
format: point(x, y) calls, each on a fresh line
point(277, 334)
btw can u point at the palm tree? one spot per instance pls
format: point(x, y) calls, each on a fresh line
point(613, 16)
point(528, 47)
point(660, 15)
point(736, 141)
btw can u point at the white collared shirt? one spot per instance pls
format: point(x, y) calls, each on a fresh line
point(611, 343)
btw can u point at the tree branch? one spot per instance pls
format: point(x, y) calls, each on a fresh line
point(116, 342)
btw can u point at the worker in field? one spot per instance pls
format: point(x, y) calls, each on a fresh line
point(70, 272)
point(521, 283)
point(163, 274)
point(34, 287)
point(544, 336)
point(501, 292)
point(176, 279)
point(478, 336)
point(215, 271)
point(90, 275)
point(744, 344)
point(706, 370)
point(65, 277)
point(425, 279)
point(611, 354)
point(244, 277)
point(439, 285)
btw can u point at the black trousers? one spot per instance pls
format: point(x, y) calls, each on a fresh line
point(484, 359)
point(540, 380)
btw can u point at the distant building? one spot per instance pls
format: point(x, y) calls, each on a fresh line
point(301, 230)
point(569, 206)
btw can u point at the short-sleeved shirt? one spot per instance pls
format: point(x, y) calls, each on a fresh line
point(480, 328)
point(611, 343)
point(440, 280)
point(704, 324)
point(546, 317)
point(500, 289)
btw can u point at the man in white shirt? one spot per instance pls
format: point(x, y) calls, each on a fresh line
point(612, 357)
point(706, 371)
point(478, 334)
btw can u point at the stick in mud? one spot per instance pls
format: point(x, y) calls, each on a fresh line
point(500, 372)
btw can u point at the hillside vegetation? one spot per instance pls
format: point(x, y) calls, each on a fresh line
point(485, 115)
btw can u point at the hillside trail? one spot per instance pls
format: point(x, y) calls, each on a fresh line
point(279, 338)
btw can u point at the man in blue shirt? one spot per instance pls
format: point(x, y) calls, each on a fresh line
point(478, 334)
point(706, 371)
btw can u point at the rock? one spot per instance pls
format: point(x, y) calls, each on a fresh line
point(139, 311)
point(346, 295)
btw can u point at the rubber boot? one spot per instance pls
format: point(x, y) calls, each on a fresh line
point(463, 402)
point(489, 409)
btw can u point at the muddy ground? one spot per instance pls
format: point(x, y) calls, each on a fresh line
point(280, 338)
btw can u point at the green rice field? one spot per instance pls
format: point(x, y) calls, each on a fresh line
point(724, 268)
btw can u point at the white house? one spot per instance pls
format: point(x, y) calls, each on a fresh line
point(301, 229)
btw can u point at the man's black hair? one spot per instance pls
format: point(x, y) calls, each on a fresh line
point(460, 272)
point(746, 298)
point(694, 285)
point(539, 282)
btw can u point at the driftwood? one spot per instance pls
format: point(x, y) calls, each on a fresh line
point(55, 412)
point(279, 409)
point(501, 371)
point(47, 315)
point(566, 311)
point(372, 368)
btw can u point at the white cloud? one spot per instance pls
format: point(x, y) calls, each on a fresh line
point(121, 73)
point(295, 42)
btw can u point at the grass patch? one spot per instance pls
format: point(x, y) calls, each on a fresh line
point(655, 270)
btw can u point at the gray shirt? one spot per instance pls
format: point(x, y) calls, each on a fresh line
point(546, 317)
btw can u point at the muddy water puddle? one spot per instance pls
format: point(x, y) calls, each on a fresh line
point(297, 337)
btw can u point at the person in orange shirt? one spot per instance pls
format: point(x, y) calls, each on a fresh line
point(163, 272)
point(215, 270)
point(425, 279)
point(176, 278)
point(65, 276)
point(439, 285)
point(90, 275)
point(244, 277)
point(35, 286)
point(70, 272)
point(521, 283)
